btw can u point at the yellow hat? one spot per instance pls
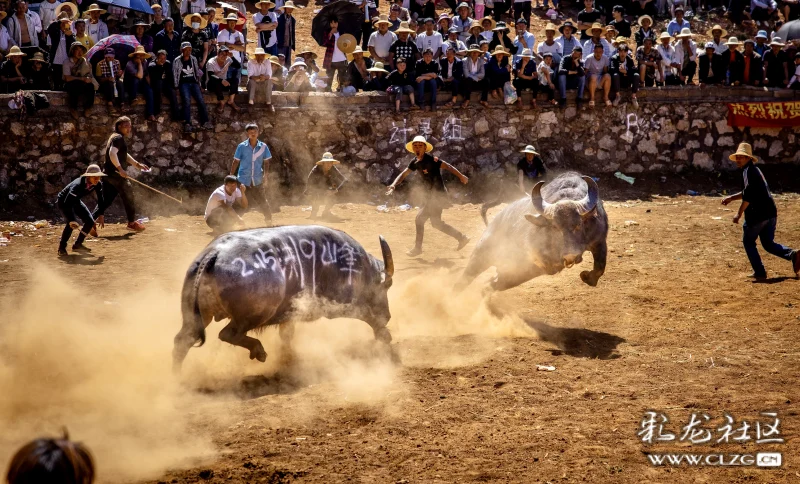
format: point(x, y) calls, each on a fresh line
point(744, 149)
point(419, 139)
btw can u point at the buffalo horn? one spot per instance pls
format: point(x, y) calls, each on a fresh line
point(592, 196)
point(539, 205)
point(388, 262)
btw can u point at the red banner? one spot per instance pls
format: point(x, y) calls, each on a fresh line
point(764, 115)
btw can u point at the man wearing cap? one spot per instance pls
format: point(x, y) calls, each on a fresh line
point(162, 82)
point(251, 165)
point(226, 205)
point(24, 27)
point(403, 47)
point(587, 18)
point(77, 74)
point(567, 40)
point(60, 38)
point(677, 24)
point(12, 77)
point(285, 31)
point(168, 40)
point(96, 28)
point(760, 215)
point(463, 21)
point(752, 66)
point(453, 43)
point(711, 67)
point(323, 182)
point(684, 60)
point(187, 74)
point(524, 39)
point(266, 22)
point(761, 46)
point(650, 66)
point(381, 40)
point(645, 31)
point(451, 72)
point(776, 65)
point(72, 207)
point(430, 40)
point(430, 168)
point(571, 75)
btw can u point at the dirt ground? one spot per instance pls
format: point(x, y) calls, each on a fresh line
point(674, 326)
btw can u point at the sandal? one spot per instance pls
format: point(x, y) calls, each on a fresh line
point(608, 103)
point(591, 104)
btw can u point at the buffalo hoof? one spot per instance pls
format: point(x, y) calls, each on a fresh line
point(383, 335)
point(258, 354)
point(590, 278)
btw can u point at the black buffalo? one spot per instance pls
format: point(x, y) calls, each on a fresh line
point(276, 276)
point(544, 234)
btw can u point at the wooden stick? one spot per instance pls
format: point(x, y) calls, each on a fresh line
point(157, 191)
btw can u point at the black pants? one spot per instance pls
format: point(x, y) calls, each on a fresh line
point(57, 74)
point(468, 86)
point(619, 81)
point(256, 194)
point(433, 211)
point(523, 9)
point(521, 84)
point(549, 91)
point(689, 71)
point(107, 89)
point(340, 68)
point(76, 90)
point(453, 86)
point(159, 89)
point(72, 212)
point(113, 185)
point(321, 196)
point(221, 220)
point(215, 86)
point(499, 9)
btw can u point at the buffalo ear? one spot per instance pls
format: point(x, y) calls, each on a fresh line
point(537, 220)
point(590, 214)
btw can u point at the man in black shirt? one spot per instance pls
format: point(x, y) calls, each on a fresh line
point(430, 167)
point(70, 204)
point(427, 71)
point(760, 214)
point(586, 18)
point(403, 47)
point(324, 181)
point(162, 81)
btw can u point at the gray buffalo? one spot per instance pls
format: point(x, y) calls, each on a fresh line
point(276, 276)
point(568, 218)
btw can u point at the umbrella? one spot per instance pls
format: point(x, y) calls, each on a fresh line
point(135, 5)
point(789, 31)
point(350, 19)
point(122, 45)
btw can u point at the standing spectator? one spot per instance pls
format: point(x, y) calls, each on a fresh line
point(60, 39)
point(761, 47)
point(266, 22)
point(335, 62)
point(791, 10)
point(776, 65)
point(24, 27)
point(5, 38)
point(12, 77)
point(251, 165)
point(422, 9)
point(711, 67)
point(404, 47)
point(587, 18)
point(137, 80)
point(753, 71)
point(47, 15)
point(622, 26)
point(596, 40)
point(678, 24)
point(370, 11)
point(381, 40)
point(522, 10)
point(139, 30)
point(38, 75)
point(597, 75)
point(194, 33)
point(109, 74)
point(733, 63)
point(500, 37)
point(463, 20)
point(260, 77)
point(645, 31)
point(77, 73)
point(474, 77)
point(643, 7)
point(500, 8)
point(684, 60)
point(498, 72)
point(51, 460)
point(358, 69)
point(96, 28)
point(526, 76)
point(401, 81)
point(571, 75)
point(550, 44)
point(162, 82)
point(430, 40)
point(567, 41)
point(650, 66)
point(668, 61)
point(212, 30)
point(219, 82)
point(158, 21)
point(80, 34)
point(524, 39)
point(426, 72)
point(187, 76)
point(394, 17)
point(451, 73)
point(547, 74)
point(717, 33)
point(168, 40)
point(623, 74)
point(377, 78)
point(72, 207)
point(459, 48)
point(286, 30)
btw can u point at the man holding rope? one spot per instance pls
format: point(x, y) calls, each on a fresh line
point(117, 161)
point(70, 204)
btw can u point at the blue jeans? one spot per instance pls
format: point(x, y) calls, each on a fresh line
point(766, 232)
point(573, 82)
point(136, 86)
point(188, 91)
point(431, 85)
point(272, 50)
point(398, 91)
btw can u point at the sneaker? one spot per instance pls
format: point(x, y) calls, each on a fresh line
point(80, 248)
point(414, 252)
point(796, 264)
point(208, 126)
point(251, 102)
point(136, 226)
point(463, 242)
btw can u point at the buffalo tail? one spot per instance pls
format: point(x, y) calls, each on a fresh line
point(192, 316)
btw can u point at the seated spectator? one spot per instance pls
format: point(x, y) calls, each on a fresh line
point(597, 75)
point(622, 26)
point(358, 69)
point(38, 74)
point(776, 65)
point(546, 73)
point(550, 45)
point(427, 73)
point(711, 67)
point(377, 78)
point(463, 20)
point(219, 82)
point(162, 82)
point(571, 75)
point(12, 77)
point(733, 62)
point(678, 24)
point(523, 39)
point(309, 58)
point(137, 80)
point(451, 72)
point(278, 73)
point(81, 35)
point(623, 74)
point(194, 33)
point(77, 73)
point(684, 59)
point(474, 76)
point(500, 37)
point(51, 461)
point(453, 43)
point(487, 24)
point(109, 74)
point(667, 53)
point(298, 79)
point(526, 76)
point(791, 10)
point(259, 73)
point(762, 47)
point(595, 39)
point(498, 72)
point(763, 11)
point(717, 33)
point(430, 39)
point(139, 30)
point(611, 36)
point(753, 71)
point(643, 7)
point(381, 40)
point(645, 31)
point(443, 24)
point(476, 34)
point(401, 81)
point(226, 205)
point(567, 41)
point(794, 81)
point(187, 74)
point(649, 63)
point(404, 47)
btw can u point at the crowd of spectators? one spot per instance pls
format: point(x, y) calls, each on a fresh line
point(611, 48)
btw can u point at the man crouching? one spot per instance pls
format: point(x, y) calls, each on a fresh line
point(226, 206)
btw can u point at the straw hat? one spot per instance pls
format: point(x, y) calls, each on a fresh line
point(419, 139)
point(275, 61)
point(664, 35)
point(610, 28)
point(231, 17)
point(733, 41)
point(357, 51)
point(567, 23)
point(327, 157)
point(383, 19)
point(474, 48)
point(685, 32)
point(307, 50)
point(38, 57)
point(259, 51)
point(95, 8)
point(621, 40)
point(16, 52)
point(156, 6)
point(402, 29)
point(526, 53)
point(530, 149)
point(551, 27)
point(72, 8)
point(484, 19)
point(498, 50)
point(723, 33)
point(346, 43)
point(93, 170)
point(140, 51)
point(744, 149)
point(500, 27)
point(288, 4)
point(777, 41)
point(596, 26)
point(475, 25)
point(187, 20)
point(647, 17)
point(377, 67)
point(269, 4)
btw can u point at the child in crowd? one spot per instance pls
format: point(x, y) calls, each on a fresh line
point(401, 81)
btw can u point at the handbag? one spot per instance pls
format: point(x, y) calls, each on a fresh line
point(509, 93)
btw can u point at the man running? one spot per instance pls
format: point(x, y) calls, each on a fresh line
point(431, 169)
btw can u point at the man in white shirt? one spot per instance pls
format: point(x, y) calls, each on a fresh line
point(225, 206)
point(453, 43)
point(550, 45)
point(337, 64)
point(717, 33)
point(24, 27)
point(685, 58)
point(232, 39)
point(266, 22)
point(96, 28)
point(47, 12)
point(667, 52)
point(259, 72)
point(430, 39)
point(381, 40)
point(524, 39)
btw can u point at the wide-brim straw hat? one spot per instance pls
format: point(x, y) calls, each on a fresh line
point(299, 63)
point(645, 17)
point(567, 23)
point(498, 50)
point(15, 51)
point(274, 59)
point(77, 45)
point(685, 32)
point(269, 4)
point(187, 20)
point(733, 41)
point(526, 53)
point(500, 27)
point(664, 35)
point(383, 19)
point(744, 149)
point(259, 51)
point(550, 26)
point(38, 57)
point(777, 41)
point(530, 149)
point(327, 157)
point(474, 48)
point(140, 51)
point(402, 29)
point(307, 50)
point(710, 32)
point(73, 8)
point(229, 17)
point(475, 25)
point(597, 26)
point(377, 67)
point(419, 139)
point(357, 50)
point(95, 8)
point(494, 23)
point(346, 43)
point(93, 170)
point(611, 28)
point(289, 4)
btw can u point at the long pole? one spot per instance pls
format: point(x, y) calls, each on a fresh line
point(157, 191)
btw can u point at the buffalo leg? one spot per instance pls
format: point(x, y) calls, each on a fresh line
point(381, 333)
point(184, 340)
point(235, 333)
point(599, 254)
point(507, 280)
point(477, 264)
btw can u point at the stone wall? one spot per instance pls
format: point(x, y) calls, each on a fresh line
point(673, 130)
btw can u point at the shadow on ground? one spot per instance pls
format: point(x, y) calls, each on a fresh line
point(578, 342)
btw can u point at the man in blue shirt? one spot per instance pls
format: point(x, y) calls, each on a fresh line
point(250, 164)
point(677, 24)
